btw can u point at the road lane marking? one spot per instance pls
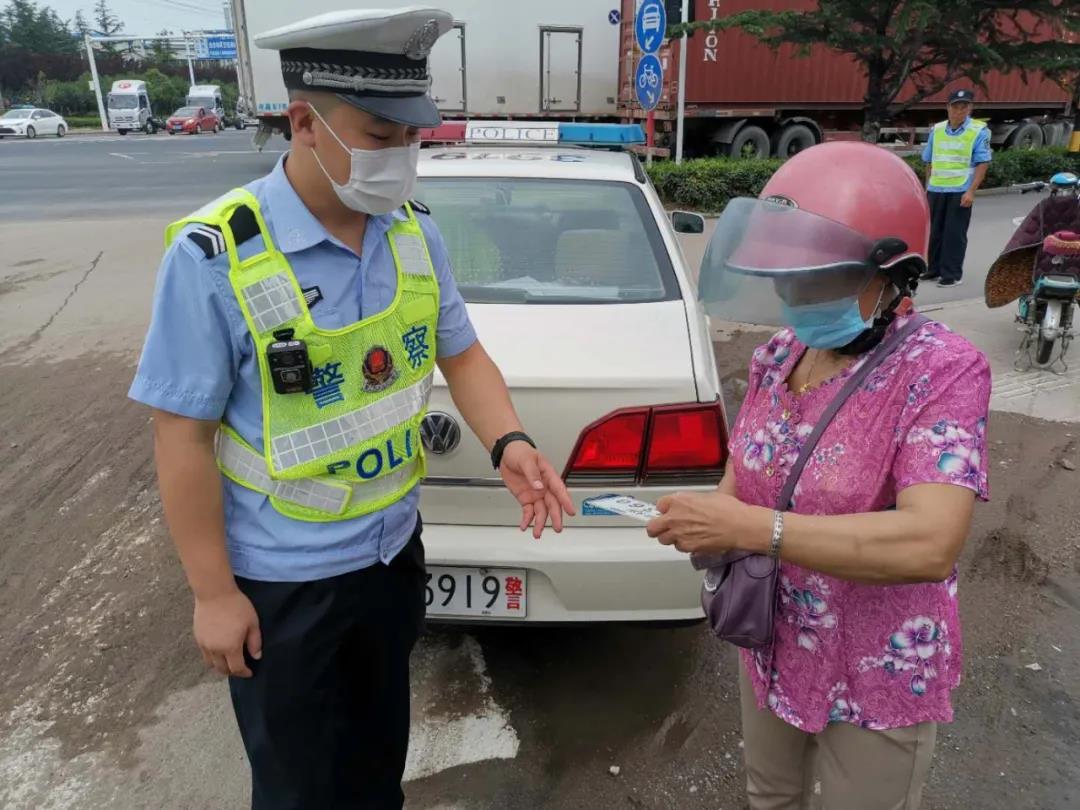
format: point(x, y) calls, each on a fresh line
point(121, 155)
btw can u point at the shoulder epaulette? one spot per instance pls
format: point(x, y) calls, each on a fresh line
point(419, 207)
point(210, 239)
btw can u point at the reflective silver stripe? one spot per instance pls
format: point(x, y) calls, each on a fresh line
point(951, 172)
point(271, 302)
point(247, 466)
point(368, 491)
point(411, 253)
point(301, 446)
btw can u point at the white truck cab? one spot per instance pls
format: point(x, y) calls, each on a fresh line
point(208, 96)
point(129, 107)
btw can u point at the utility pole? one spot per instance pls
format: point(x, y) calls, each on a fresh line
point(190, 64)
point(96, 82)
point(684, 57)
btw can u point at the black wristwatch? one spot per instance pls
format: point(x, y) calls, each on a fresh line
point(500, 446)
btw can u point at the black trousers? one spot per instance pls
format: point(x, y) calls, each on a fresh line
point(325, 718)
point(948, 234)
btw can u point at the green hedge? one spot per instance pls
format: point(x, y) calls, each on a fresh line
point(83, 121)
point(707, 185)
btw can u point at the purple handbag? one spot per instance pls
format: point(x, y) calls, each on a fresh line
point(739, 590)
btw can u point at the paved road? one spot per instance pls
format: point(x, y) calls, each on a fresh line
point(103, 702)
point(94, 175)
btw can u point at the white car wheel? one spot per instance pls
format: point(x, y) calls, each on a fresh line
point(31, 132)
point(61, 130)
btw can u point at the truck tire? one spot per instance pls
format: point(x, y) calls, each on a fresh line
point(750, 142)
point(1053, 134)
point(1026, 136)
point(793, 139)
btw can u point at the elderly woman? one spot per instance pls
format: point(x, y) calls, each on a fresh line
point(865, 648)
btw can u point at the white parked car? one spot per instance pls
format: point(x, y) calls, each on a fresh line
point(31, 122)
point(578, 289)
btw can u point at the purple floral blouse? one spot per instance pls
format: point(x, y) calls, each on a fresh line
point(877, 656)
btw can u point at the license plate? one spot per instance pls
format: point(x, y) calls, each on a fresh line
point(476, 592)
point(178, 129)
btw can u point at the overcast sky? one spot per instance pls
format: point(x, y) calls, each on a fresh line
point(147, 17)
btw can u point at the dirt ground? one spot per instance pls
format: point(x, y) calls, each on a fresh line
point(95, 635)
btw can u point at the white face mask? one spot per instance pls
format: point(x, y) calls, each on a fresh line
point(380, 180)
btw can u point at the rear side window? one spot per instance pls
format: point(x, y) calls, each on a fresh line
point(517, 240)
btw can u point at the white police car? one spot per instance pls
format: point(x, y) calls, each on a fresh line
point(579, 291)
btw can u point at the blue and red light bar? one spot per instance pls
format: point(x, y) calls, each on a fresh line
point(534, 133)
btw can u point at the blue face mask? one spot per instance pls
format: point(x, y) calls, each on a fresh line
point(828, 325)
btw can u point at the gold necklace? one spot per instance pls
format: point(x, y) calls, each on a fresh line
point(810, 374)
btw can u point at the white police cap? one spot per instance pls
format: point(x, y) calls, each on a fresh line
point(374, 59)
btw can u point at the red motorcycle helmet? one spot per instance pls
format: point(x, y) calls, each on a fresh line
point(830, 220)
point(863, 187)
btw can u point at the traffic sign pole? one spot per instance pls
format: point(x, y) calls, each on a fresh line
point(650, 135)
point(683, 59)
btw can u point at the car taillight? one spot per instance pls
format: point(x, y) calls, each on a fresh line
point(611, 445)
point(638, 445)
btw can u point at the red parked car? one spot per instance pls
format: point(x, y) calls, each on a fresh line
point(193, 121)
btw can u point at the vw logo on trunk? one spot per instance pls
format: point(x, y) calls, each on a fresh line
point(440, 433)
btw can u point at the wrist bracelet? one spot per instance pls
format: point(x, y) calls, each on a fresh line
point(500, 446)
point(777, 534)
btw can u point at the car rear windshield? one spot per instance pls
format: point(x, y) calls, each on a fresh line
point(514, 240)
point(122, 102)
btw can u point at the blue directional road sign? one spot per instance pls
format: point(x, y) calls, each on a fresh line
point(221, 47)
point(650, 23)
point(649, 81)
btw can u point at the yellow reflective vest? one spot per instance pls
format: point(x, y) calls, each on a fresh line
point(950, 157)
point(351, 445)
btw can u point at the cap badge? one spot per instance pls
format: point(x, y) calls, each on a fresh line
point(419, 45)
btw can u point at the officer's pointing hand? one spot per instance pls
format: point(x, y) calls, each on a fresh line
point(537, 486)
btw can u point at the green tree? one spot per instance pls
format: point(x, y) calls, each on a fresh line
point(921, 44)
point(80, 24)
point(25, 26)
point(107, 23)
point(161, 50)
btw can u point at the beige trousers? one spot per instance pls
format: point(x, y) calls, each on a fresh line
point(858, 769)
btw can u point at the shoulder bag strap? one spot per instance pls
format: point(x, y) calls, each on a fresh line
point(876, 358)
point(783, 503)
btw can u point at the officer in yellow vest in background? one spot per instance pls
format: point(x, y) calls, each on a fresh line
point(958, 156)
point(296, 326)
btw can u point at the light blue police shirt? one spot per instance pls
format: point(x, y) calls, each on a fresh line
point(198, 361)
point(980, 153)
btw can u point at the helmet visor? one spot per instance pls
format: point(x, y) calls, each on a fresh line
point(765, 257)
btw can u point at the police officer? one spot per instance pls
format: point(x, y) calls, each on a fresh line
point(958, 156)
point(295, 329)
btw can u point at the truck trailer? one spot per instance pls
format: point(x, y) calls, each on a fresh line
point(746, 99)
point(575, 60)
point(553, 60)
